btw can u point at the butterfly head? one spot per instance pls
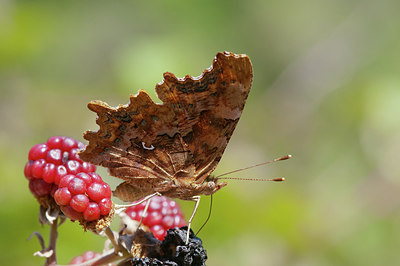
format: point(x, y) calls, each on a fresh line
point(186, 188)
point(212, 185)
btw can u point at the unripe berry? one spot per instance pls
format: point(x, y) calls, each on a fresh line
point(38, 151)
point(105, 206)
point(79, 203)
point(86, 256)
point(54, 159)
point(71, 213)
point(37, 168)
point(39, 188)
point(92, 212)
point(86, 195)
point(62, 196)
point(97, 191)
point(77, 186)
point(161, 215)
point(55, 171)
point(49, 172)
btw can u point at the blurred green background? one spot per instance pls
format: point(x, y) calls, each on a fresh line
point(326, 90)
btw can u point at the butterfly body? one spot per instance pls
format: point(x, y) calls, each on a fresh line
point(183, 189)
point(173, 147)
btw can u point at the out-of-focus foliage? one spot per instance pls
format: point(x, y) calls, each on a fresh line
point(326, 89)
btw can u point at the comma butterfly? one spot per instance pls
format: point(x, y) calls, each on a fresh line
point(173, 147)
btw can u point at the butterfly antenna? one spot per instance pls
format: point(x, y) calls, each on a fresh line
point(242, 169)
point(279, 179)
point(209, 215)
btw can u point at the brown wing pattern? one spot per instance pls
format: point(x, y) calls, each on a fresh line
point(210, 107)
point(185, 136)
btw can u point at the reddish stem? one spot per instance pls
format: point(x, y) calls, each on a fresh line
point(52, 260)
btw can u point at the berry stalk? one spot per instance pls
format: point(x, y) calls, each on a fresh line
point(52, 260)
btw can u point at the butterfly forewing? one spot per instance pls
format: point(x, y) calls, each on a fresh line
point(181, 139)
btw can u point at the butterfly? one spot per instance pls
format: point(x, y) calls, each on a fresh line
point(173, 147)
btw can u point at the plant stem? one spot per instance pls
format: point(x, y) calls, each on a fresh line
point(52, 260)
point(117, 254)
point(106, 259)
point(110, 235)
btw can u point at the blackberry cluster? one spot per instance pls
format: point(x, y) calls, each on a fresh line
point(56, 173)
point(83, 196)
point(49, 162)
point(149, 262)
point(174, 251)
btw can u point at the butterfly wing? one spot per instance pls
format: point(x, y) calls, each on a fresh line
point(126, 138)
point(182, 138)
point(209, 107)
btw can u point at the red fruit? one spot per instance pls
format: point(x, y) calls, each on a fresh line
point(54, 156)
point(97, 191)
point(37, 168)
point(96, 178)
point(77, 186)
point(105, 206)
point(88, 255)
point(55, 142)
point(162, 215)
point(154, 218)
point(90, 200)
point(28, 170)
point(179, 220)
point(39, 188)
point(61, 171)
point(64, 182)
point(38, 151)
point(73, 155)
point(71, 213)
point(168, 221)
point(62, 196)
point(54, 187)
point(107, 190)
point(158, 231)
point(54, 168)
point(79, 203)
point(69, 143)
point(92, 212)
point(73, 167)
point(49, 172)
point(54, 159)
point(85, 177)
point(87, 167)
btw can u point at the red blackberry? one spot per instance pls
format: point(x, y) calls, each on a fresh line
point(161, 215)
point(83, 196)
point(40, 188)
point(50, 161)
point(86, 256)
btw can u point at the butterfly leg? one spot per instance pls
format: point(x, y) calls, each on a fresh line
point(145, 211)
point(197, 200)
point(122, 208)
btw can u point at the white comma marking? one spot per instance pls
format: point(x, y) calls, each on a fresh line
point(147, 148)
